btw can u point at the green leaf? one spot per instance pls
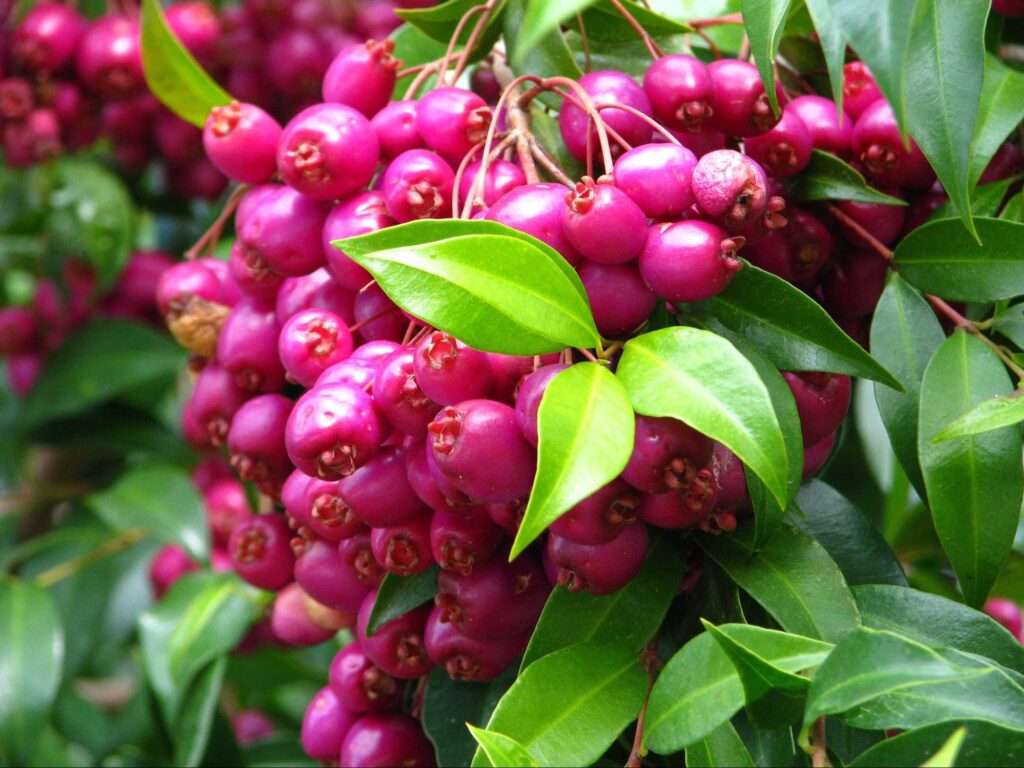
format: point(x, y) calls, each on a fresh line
point(173, 74)
point(942, 258)
point(985, 200)
point(793, 577)
point(722, 747)
point(606, 24)
point(848, 536)
point(501, 750)
point(400, 594)
point(495, 289)
point(974, 483)
point(544, 17)
point(943, 75)
point(790, 328)
point(764, 20)
point(701, 379)
point(439, 21)
point(97, 363)
point(1003, 411)
point(833, 45)
point(877, 679)
point(203, 616)
point(585, 424)
point(985, 746)
point(827, 177)
point(551, 56)
point(31, 654)
point(1000, 111)
point(1011, 322)
point(629, 617)
point(949, 752)
point(904, 335)
point(162, 501)
point(934, 620)
point(699, 688)
point(568, 707)
point(198, 712)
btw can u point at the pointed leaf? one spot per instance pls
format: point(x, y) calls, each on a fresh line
point(400, 594)
point(1000, 111)
point(449, 704)
point(501, 750)
point(833, 45)
point(975, 483)
point(544, 17)
point(985, 746)
point(764, 20)
point(987, 415)
point(827, 177)
point(949, 752)
point(551, 55)
point(722, 747)
point(701, 379)
point(606, 24)
point(985, 200)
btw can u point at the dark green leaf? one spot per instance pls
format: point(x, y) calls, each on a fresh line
point(629, 617)
point(722, 747)
point(400, 594)
point(790, 328)
point(1000, 111)
point(1011, 322)
point(496, 289)
point(439, 21)
point(606, 24)
point(501, 750)
point(985, 200)
point(987, 415)
point(764, 20)
point(827, 177)
point(848, 536)
point(160, 500)
point(700, 378)
point(585, 424)
point(974, 483)
point(942, 258)
point(568, 707)
point(543, 17)
point(934, 620)
point(833, 44)
point(985, 746)
point(793, 577)
point(193, 734)
point(948, 753)
point(173, 74)
point(31, 654)
point(904, 335)
point(414, 47)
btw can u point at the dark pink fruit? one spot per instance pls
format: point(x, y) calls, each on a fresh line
point(332, 431)
point(797, 252)
point(688, 260)
point(404, 548)
point(448, 371)
point(684, 508)
point(1006, 612)
point(821, 400)
point(320, 571)
point(317, 290)
point(831, 131)
point(310, 342)
point(197, 27)
point(16, 98)
point(295, 63)
point(215, 399)
point(602, 223)
point(283, 233)
point(360, 685)
point(879, 148)
point(360, 214)
point(681, 91)
point(883, 222)
point(46, 39)
point(536, 209)
point(529, 396)
point(170, 563)
point(241, 140)
point(292, 623)
point(397, 394)
point(658, 178)
point(602, 568)
point(860, 90)
point(256, 442)
point(784, 150)
point(855, 284)
point(619, 298)
point(418, 185)
point(740, 106)
point(247, 347)
point(362, 76)
point(502, 177)
point(387, 740)
point(395, 126)
point(462, 539)
point(260, 551)
point(730, 188)
point(816, 455)
point(666, 455)
point(324, 726)
point(605, 87)
point(378, 493)
point(600, 517)
point(18, 331)
point(377, 316)
point(397, 646)
point(468, 659)
point(109, 59)
point(452, 120)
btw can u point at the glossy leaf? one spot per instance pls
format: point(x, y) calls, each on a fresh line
point(551, 56)
point(1010, 324)
point(935, 620)
point(198, 713)
point(400, 594)
point(439, 21)
point(585, 424)
point(827, 177)
point(501, 751)
point(1000, 111)
point(496, 292)
point(848, 536)
point(606, 24)
point(543, 17)
point(974, 483)
point(792, 577)
point(173, 74)
point(699, 688)
point(31, 654)
point(942, 258)
point(833, 44)
point(949, 752)
point(162, 501)
point(985, 746)
point(1002, 411)
point(764, 21)
point(568, 707)
point(628, 617)
point(722, 747)
point(701, 379)
point(790, 328)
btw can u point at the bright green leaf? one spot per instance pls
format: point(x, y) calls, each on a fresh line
point(501, 750)
point(1002, 411)
point(764, 21)
point(544, 17)
point(1011, 322)
point(827, 177)
point(722, 747)
point(551, 56)
point(985, 746)
point(398, 595)
point(1000, 111)
point(949, 752)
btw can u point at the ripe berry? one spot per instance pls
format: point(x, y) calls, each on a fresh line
point(197, 27)
point(536, 209)
point(332, 431)
point(461, 540)
point(387, 740)
point(465, 658)
point(310, 342)
point(730, 479)
point(878, 146)
point(251, 273)
point(688, 260)
point(883, 222)
point(317, 290)
point(16, 98)
point(362, 76)
point(619, 298)
point(360, 685)
point(830, 131)
point(452, 120)
point(261, 553)
point(376, 352)
point(354, 372)
point(740, 105)
point(378, 493)
point(295, 63)
point(730, 188)
point(797, 252)
point(215, 399)
point(109, 59)
point(421, 478)
point(283, 233)
point(397, 394)
point(319, 569)
point(600, 517)
point(170, 563)
point(853, 287)
point(502, 177)
point(377, 315)
point(860, 90)
point(360, 214)
point(605, 87)
point(1006, 612)
point(418, 185)
point(603, 223)
point(18, 331)
point(529, 396)
point(256, 442)
point(226, 505)
point(816, 455)
point(324, 726)
point(601, 568)
point(404, 548)
point(684, 508)
point(657, 177)
point(448, 371)
point(681, 91)
point(397, 646)
point(395, 126)
point(292, 623)
point(241, 140)
point(328, 151)
point(784, 150)
point(359, 566)
point(821, 400)
point(48, 36)
point(666, 455)
point(247, 347)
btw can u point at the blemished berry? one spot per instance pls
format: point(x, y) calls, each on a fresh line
point(681, 91)
point(362, 76)
point(396, 646)
point(605, 87)
point(600, 517)
point(478, 446)
point(602, 223)
point(883, 222)
point(452, 120)
point(170, 563)
point(688, 260)
point(730, 188)
point(247, 347)
point(536, 209)
point(740, 106)
point(261, 552)
point(283, 232)
point(860, 90)
point(215, 398)
point(462, 539)
point(404, 548)
point(666, 455)
point(387, 740)
point(418, 184)
point(377, 316)
point(600, 568)
point(468, 659)
point(310, 342)
point(501, 178)
point(256, 442)
point(395, 126)
point(497, 599)
point(448, 371)
point(831, 131)
point(821, 400)
point(529, 396)
point(378, 493)
point(46, 39)
point(854, 285)
point(360, 214)
point(332, 431)
point(241, 141)
point(360, 685)
point(658, 178)
point(328, 151)
point(109, 58)
point(879, 148)
point(1006, 612)
point(816, 455)
point(324, 725)
point(292, 623)
point(619, 298)
point(785, 149)
point(398, 397)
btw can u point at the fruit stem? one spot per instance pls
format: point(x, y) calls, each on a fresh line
point(442, 72)
point(729, 18)
point(581, 98)
point(646, 118)
point(518, 118)
point(419, 80)
point(549, 163)
point(819, 755)
point(588, 354)
point(70, 567)
point(211, 236)
point(653, 48)
point(474, 36)
point(649, 658)
point(585, 41)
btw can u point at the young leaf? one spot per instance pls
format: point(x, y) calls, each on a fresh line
point(1000, 110)
point(974, 483)
point(985, 746)
point(172, 74)
point(827, 177)
point(722, 747)
point(629, 617)
point(1002, 411)
point(585, 425)
point(699, 688)
point(904, 335)
point(934, 620)
point(400, 594)
point(792, 577)
point(544, 17)
point(501, 750)
point(701, 379)
point(764, 20)
point(568, 707)
point(941, 257)
point(31, 654)
point(790, 328)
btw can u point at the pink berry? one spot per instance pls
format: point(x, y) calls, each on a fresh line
point(261, 553)
point(688, 260)
point(418, 185)
point(605, 87)
point(603, 223)
point(362, 76)
point(241, 140)
point(657, 177)
point(452, 120)
point(681, 91)
point(332, 431)
point(740, 106)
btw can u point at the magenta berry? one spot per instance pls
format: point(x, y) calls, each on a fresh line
point(600, 517)
point(785, 149)
point(860, 90)
point(821, 400)
point(251, 273)
point(247, 347)
point(397, 394)
point(397, 646)
point(603, 223)
point(378, 493)
point(170, 563)
point(681, 91)
point(16, 98)
point(740, 106)
point(362, 76)
point(260, 551)
point(46, 39)
point(730, 188)
point(283, 233)
point(508, 372)
point(688, 260)
point(332, 431)
point(256, 442)
point(360, 685)
point(359, 568)
point(502, 177)
point(854, 285)
point(324, 726)
point(883, 222)
point(796, 252)
point(318, 568)
point(395, 126)
point(831, 131)
point(658, 178)
point(605, 87)
point(601, 568)
point(198, 28)
point(460, 540)
point(619, 297)
point(310, 342)
point(1006, 612)
point(448, 371)
point(432, 491)
point(326, 512)
point(292, 623)
point(666, 455)
point(241, 140)
point(466, 658)
point(328, 151)
point(375, 352)
point(377, 316)
point(226, 505)
point(816, 455)
point(418, 185)
point(317, 290)
point(536, 209)
point(360, 214)
point(109, 60)
point(879, 148)
point(215, 399)
point(355, 372)
point(387, 740)
point(452, 120)
point(529, 396)
point(300, 59)
point(18, 331)
point(404, 548)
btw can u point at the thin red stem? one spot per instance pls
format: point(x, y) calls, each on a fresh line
point(652, 46)
point(211, 236)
